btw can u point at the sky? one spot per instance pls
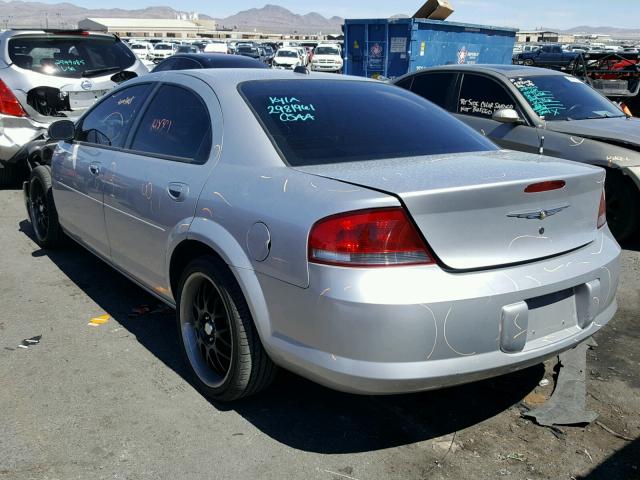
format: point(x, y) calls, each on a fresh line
point(517, 13)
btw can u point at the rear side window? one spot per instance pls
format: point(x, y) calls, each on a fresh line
point(176, 124)
point(435, 87)
point(331, 121)
point(482, 97)
point(109, 122)
point(72, 56)
point(168, 64)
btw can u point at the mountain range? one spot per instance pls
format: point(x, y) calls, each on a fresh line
point(270, 18)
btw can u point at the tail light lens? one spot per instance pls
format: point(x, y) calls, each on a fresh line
point(602, 211)
point(368, 238)
point(9, 104)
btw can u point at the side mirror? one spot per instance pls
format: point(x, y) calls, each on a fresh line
point(62, 130)
point(507, 115)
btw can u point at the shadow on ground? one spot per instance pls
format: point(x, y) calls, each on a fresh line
point(294, 411)
point(625, 463)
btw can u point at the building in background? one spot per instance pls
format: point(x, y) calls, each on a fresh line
point(541, 36)
point(151, 28)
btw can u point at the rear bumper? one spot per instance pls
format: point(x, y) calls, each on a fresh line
point(15, 134)
point(385, 331)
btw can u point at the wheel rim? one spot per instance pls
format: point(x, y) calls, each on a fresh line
point(39, 211)
point(206, 330)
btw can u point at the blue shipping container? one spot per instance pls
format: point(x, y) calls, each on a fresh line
point(393, 47)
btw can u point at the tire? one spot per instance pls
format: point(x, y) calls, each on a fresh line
point(9, 176)
point(528, 62)
point(216, 333)
point(623, 209)
point(42, 210)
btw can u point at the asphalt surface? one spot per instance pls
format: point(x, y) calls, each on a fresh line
point(111, 401)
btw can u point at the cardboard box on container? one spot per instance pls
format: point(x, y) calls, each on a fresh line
point(435, 10)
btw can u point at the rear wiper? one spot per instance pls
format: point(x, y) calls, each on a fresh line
point(98, 71)
point(604, 116)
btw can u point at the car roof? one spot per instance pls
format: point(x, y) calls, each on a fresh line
point(213, 58)
point(15, 32)
point(231, 77)
point(507, 71)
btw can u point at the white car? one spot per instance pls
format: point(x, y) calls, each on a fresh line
point(161, 51)
point(141, 49)
point(326, 58)
point(216, 47)
point(287, 58)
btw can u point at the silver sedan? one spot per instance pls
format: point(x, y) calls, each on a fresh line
point(341, 228)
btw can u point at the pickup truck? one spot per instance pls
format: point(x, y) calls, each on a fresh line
point(547, 56)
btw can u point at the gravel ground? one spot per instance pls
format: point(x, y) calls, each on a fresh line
point(111, 401)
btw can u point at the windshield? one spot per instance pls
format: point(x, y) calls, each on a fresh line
point(330, 121)
point(287, 53)
point(560, 97)
point(138, 47)
point(69, 56)
point(248, 50)
point(327, 51)
point(163, 47)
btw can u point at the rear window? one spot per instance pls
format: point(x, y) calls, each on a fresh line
point(316, 122)
point(70, 56)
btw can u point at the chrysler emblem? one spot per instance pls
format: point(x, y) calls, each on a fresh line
point(538, 214)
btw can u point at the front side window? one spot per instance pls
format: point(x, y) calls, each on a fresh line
point(72, 56)
point(333, 121)
point(563, 97)
point(108, 123)
point(177, 125)
point(482, 97)
point(435, 87)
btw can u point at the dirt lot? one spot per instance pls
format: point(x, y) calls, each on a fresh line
point(110, 401)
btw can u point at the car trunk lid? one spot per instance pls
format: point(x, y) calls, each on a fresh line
point(473, 210)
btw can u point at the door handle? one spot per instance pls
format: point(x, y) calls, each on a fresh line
point(94, 168)
point(178, 191)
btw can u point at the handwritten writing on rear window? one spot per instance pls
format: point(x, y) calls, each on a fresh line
point(69, 65)
point(543, 102)
point(291, 109)
point(481, 107)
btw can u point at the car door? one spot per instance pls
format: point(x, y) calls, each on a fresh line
point(157, 182)
point(479, 97)
point(78, 167)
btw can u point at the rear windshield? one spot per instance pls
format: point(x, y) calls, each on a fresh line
point(316, 122)
point(69, 56)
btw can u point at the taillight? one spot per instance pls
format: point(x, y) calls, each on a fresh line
point(602, 211)
point(545, 186)
point(367, 238)
point(9, 104)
